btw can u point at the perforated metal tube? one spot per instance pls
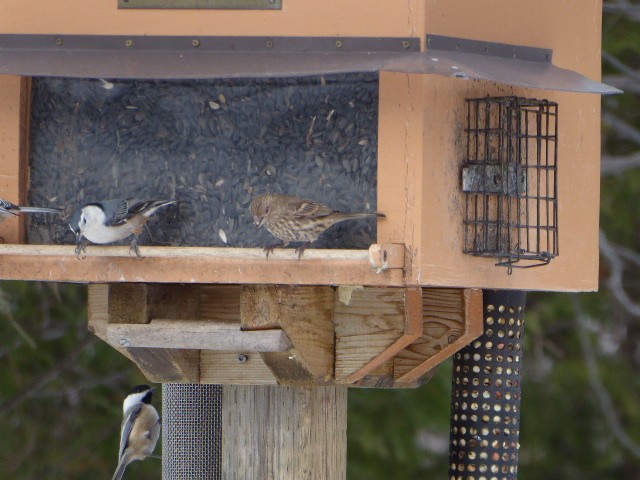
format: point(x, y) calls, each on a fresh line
point(191, 431)
point(485, 402)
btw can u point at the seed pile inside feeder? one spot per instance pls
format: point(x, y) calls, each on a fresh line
point(214, 145)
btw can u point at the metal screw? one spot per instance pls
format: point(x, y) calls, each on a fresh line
point(124, 342)
point(59, 42)
point(405, 44)
point(338, 43)
point(129, 43)
point(269, 44)
point(242, 358)
point(195, 42)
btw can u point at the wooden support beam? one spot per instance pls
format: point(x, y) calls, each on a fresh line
point(98, 310)
point(233, 368)
point(305, 314)
point(284, 432)
point(452, 319)
point(129, 304)
point(287, 335)
point(166, 365)
point(412, 330)
point(372, 324)
point(158, 365)
point(198, 335)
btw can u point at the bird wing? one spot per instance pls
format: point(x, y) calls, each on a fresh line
point(137, 207)
point(149, 207)
point(309, 209)
point(115, 211)
point(127, 424)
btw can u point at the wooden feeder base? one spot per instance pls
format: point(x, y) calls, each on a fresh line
point(285, 335)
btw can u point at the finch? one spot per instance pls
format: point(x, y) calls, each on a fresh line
point(295, 219)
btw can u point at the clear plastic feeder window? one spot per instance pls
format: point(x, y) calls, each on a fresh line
point(509, 178)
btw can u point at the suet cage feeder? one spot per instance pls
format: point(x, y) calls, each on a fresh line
point(510, 180)
point(472, 170)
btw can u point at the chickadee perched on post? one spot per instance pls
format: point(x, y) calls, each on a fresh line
point(8, 210)
point(140, 428)
point(113, 220)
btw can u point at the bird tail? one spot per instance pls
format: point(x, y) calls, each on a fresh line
point(122, 465)
point(38, 210)
point(152, 206)
point(340, 216)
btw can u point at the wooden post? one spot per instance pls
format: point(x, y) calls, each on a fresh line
point(284, 432)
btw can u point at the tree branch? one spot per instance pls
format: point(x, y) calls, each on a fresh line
point(623, 8)
point(617, 165)
point(614, 282)
point(621, 127)
point(597, 386)
point(46, 377)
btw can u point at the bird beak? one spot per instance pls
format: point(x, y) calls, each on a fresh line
point(257, 222)
point(78, 236)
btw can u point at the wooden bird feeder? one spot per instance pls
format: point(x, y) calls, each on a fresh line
point(455, 178)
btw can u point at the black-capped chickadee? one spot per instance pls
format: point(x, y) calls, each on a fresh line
point(112, 220)
point(140, 428)
point(8, 210)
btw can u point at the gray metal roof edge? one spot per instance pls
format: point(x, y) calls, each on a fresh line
point(185, 57)
point(491, 49)
point(519, 65)
point(54, 42)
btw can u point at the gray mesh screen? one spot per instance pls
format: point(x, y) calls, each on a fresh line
point(485, 398)
point(191, 431)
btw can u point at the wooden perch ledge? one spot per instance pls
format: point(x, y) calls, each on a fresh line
point(381, 265)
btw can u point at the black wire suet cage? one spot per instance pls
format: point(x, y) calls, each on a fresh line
point(510, 180)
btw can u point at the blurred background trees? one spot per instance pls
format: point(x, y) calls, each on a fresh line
point(61, 389)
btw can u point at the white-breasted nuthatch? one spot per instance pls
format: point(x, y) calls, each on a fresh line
point(140, 428)
point(8, 210)
point(113, 220)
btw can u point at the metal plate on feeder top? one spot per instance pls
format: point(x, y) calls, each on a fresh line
point(202, 4)
point(179, 57)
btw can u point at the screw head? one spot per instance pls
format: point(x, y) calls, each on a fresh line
point(59, 42)
point(406, 44)
point(195, 42)
point(124, 342)
point(338, 43)
point(242, 358)
point(129, 43)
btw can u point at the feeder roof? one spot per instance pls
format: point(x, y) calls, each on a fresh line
point(147, 57)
